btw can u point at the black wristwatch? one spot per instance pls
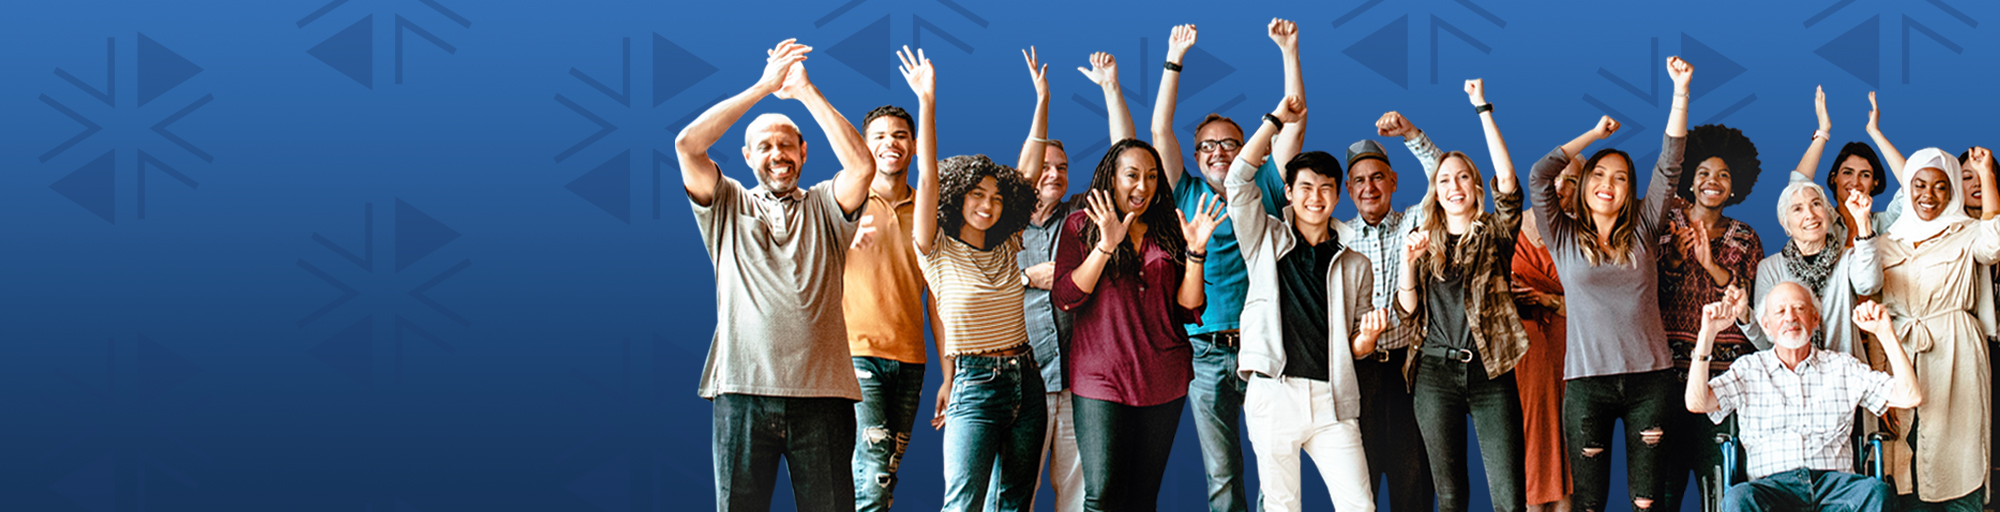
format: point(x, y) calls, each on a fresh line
point(1483, 108)
point(1173, 66)
point(1273, 119)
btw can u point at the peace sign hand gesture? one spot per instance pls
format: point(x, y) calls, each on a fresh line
point(1037, 71)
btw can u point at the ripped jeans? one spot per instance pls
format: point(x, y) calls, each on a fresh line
point(1591, 408)
point(890, 393)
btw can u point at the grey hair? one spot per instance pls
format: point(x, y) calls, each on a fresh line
point(1790, 194)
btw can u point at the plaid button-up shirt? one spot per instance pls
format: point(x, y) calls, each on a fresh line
point(1790, 419)
point(1382, 242)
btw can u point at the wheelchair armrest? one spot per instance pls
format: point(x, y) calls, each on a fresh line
point(1882, 436)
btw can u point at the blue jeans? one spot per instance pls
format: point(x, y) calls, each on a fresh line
point(891, 390)
point(993, 430)
point(1806, 489)
point(1216, 395)
point(1447, 391)
point(811, 434)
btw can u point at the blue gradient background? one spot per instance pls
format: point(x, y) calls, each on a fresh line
point(526, 331)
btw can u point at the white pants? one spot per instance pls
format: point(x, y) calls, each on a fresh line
point(1287, 414)
point(1059, 450)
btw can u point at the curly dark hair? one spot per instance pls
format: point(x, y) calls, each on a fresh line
point(1866, 152)
point(958, 175)
point(1735, 150)
point(1162, 220)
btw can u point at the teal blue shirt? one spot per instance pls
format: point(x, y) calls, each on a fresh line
point(1226, 281)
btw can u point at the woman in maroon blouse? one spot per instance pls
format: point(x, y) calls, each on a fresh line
point(1131, 280)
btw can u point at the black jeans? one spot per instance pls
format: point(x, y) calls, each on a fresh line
point(1390, 438)
point(1592, 406)
point(1124, 450)
point(1692, 450)
point(1447, 391)
point(814, 435)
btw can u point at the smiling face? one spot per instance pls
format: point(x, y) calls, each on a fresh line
point(1137, 179)
point(1054, 181)
point(1566, 189)
point(1789, 315)
point(983, 205)
point(774, 150)
point(1712, 184)
point(1930, 192)
point(1457, 187)
point(1223, 141)
point(1968, 181)
point(1807, 216)
point(892, 143)
point(1853, 175)
point(1313, 197)
point(1607, 185)
point(1371, 185)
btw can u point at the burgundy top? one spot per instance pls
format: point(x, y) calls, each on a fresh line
point(1127, 343)
point(1685, 287)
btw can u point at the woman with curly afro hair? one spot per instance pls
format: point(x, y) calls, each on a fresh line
point(968, 250)
point(1703, 253)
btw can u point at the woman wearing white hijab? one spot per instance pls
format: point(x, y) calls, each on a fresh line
point(1934, 276)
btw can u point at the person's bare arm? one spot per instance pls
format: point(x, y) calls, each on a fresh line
point(698, 172)
point(1981, 161)
point(1714, 318)
point(1503, 164)
point(1890, 156)
point(1875, 319)
point(1164, 140)
point(1809, 163)
point(1677, 119)
point(922, 78)
point(1104, 72)
point(1037, 145)
point(1290, 140)
point(850, 187)
point(1193, 293)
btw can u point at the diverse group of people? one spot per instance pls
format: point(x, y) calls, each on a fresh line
point(1072, 332)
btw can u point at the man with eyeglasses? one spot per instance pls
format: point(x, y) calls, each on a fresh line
point(1388, 411)
point(1216, 394)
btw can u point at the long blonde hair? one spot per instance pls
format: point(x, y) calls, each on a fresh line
point(1434, 216)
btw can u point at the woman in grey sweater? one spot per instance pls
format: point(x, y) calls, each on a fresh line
point(1618, 366)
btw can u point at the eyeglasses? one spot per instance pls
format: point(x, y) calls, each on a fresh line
point(1209, 146)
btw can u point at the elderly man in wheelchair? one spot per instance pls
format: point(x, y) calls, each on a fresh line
point(1795, 405)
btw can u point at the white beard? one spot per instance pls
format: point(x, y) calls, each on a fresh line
point(1792, 342)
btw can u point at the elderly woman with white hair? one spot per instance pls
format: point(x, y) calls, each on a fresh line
point(1934, 284)
point(1813, 257)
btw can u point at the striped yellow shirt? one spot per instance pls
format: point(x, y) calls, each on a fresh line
point(978, 295)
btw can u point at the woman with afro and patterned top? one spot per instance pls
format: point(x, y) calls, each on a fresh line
point(1703, 253)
